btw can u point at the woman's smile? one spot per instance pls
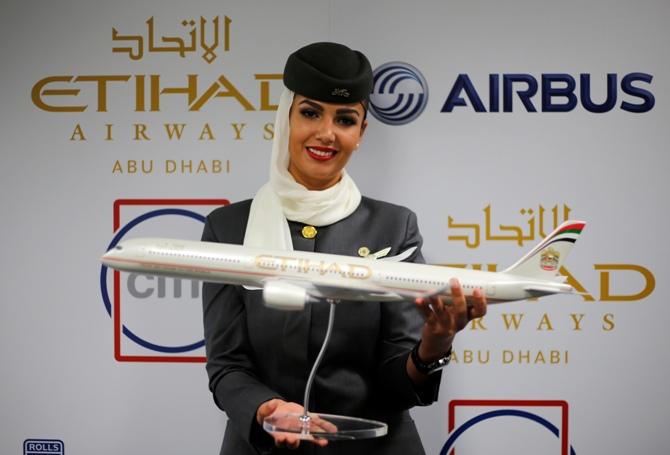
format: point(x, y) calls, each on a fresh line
point(321, 153)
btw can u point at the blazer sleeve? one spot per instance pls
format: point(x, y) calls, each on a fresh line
point(401, 329)
point(233, 381)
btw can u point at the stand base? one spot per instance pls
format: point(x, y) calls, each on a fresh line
point(325, 426)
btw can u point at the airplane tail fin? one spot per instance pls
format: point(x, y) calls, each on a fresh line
point(545, 260)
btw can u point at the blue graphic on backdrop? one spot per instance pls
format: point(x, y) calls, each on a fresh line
point(399, 94)
point(105, 292)
point(449, 444)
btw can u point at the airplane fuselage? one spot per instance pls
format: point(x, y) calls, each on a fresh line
point(323, 275)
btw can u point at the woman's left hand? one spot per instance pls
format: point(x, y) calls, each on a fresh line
point(444, 320)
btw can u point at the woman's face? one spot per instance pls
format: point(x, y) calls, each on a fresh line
point(322, 138)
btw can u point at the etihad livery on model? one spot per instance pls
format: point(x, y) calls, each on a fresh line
point(289, 279)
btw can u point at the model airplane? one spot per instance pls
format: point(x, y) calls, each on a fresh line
point(289, 279)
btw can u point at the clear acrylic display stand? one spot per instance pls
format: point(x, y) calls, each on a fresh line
point(309, 425)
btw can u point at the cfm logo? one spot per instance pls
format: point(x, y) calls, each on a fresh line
point(518, 427)
point(155, 319)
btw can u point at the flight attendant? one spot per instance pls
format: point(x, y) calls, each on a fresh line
point(383, 358)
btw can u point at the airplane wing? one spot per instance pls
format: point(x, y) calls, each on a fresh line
point(292, 293)
point(398, 257)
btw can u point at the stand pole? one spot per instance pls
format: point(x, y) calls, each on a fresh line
point(305, 418)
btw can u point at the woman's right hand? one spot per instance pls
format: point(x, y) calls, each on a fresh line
point(278, 407)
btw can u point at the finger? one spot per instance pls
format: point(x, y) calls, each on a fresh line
point(438, 304)
point(459, 308)
point(478, 309)
point(322, 425)
point(320, 441)
point(286, 440)
point(266, 409)
point(424, 307)
point(292, 442)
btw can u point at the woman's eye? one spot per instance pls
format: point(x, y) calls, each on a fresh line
point(309, 113)
point(347, 121)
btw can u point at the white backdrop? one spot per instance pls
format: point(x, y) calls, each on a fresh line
point(104, 370)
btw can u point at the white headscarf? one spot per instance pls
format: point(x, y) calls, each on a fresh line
point(282, 198)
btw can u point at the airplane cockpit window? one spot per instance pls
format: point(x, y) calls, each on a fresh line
point(118, 247)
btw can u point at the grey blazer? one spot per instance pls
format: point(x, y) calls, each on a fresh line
point(255, 353)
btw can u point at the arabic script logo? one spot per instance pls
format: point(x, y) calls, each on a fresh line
point(399, 94)
point(199, 35)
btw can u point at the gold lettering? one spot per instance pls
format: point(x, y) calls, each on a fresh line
point(140, 130)
point(483, 360)
point(265, 90)
point(454, 357)
point(545, 322)
point(206, 130)
point(78, 132)
point(507, 356)
point(102, 87)
point(304, 265)
point(477, 324)
point(117, 167)
point(608, 322)
point(132, 166)
point(513, 320)
point(524, 356)
point(605, 290)
point(109, 131)
point(170, 166)
point(539, 358)
point(467, 356)
point(37, 93)
point(213, 90)
point(360, 272)
point(191, 90)
point(268, 131)
point(216, 166)
point(572, 281)
point(266, 262)
point(139, 93)
point(174, 129)
point(238, 127)
point(202, 167)
point(186, 165)
point(149, 169)
point(577, 321)
point(334, 268)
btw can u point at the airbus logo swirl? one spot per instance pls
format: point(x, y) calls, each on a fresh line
point(399, 94)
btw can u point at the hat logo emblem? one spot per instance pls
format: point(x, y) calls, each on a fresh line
point(340, 92)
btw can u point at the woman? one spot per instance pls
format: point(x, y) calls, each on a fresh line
point(381, 356)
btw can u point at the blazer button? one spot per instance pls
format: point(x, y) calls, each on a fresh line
point(309, 232)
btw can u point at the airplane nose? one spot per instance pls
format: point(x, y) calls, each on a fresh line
point(108, 258)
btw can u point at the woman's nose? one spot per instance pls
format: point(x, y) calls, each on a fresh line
point(325, 133)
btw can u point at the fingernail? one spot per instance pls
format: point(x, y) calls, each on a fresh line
point(453, 282)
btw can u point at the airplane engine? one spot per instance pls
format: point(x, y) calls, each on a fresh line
point(285, 296)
